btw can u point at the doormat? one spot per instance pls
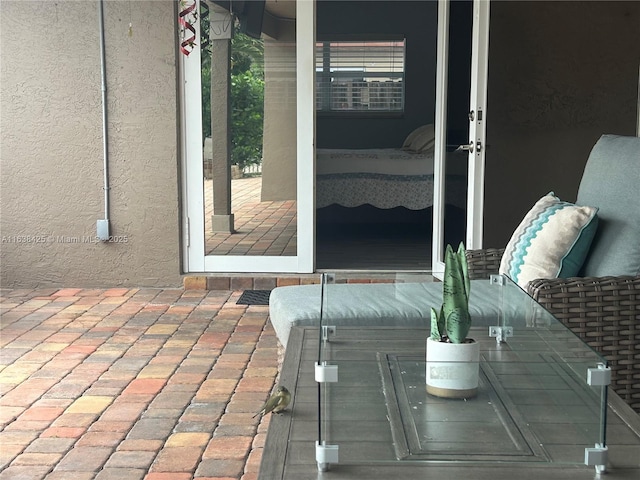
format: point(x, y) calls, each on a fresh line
point(254, 297)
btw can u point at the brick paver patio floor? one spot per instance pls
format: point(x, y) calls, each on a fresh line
point(261, 228)
point(132, 384)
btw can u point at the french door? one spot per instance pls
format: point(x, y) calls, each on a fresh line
point(451, 149)
point(297, 67)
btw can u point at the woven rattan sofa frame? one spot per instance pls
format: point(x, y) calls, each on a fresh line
point(602, 311)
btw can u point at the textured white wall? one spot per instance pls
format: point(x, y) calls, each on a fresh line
point(51, 159)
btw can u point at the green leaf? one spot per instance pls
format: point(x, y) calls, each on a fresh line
point(458, 324)
point(455, 295)
point(437, 324)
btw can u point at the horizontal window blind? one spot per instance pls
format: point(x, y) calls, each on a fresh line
point(360, 76)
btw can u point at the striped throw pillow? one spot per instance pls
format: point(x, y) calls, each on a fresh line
point(552, 241)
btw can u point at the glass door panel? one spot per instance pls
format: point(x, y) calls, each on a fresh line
point(249, 154)
point(375, 72)
point(460, 117)
point(241, 110)
point(457, 123)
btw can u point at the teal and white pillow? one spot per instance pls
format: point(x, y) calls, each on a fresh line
point(552, 241)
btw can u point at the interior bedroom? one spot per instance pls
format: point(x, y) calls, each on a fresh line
point(375, 103)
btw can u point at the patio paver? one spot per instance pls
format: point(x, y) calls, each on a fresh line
point(147, 384)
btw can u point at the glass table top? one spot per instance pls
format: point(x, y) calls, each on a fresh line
point(534, 402)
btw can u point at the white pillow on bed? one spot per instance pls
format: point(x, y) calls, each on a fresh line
point(407, 141)
point(420, 140)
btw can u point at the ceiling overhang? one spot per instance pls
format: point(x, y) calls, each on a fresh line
point(283, 9)
point(278, 19)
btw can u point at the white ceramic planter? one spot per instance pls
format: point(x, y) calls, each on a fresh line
point(452, 369)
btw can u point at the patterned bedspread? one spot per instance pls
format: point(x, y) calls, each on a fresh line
point(384, 178)
point(386, 161)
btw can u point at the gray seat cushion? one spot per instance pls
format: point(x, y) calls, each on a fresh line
point(611, 182)
point(382, 304)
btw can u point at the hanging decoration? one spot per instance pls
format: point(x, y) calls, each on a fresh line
point(187, 18)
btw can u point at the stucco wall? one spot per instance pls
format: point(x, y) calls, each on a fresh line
point(51, 152)
point(560, 75)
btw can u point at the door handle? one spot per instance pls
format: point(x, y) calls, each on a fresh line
point(469, 147)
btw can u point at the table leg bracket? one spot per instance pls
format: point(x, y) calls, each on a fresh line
point(501, 333)
point(597, 457)
point(326, 455)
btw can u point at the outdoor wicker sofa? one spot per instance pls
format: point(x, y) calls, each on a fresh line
point(602, 307)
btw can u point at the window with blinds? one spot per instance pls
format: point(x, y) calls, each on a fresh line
point(360, 76)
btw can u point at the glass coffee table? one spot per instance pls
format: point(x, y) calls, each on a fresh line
point(542, 394)
point(360, 408)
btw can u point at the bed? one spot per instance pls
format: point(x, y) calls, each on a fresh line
point(385, 178)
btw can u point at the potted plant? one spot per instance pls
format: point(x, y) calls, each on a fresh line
point(453, 359)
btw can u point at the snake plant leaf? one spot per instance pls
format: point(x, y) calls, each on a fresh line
point(437, 324)
point(462, 258)
point(455, 296)
point(458, 325)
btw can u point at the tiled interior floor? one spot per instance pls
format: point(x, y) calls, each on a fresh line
point(373, 247)
point(132, 384)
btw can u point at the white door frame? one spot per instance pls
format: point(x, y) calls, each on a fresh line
point(477, 103)
point(477, 127)
point(440, 150)
point(194, 258)
point(191, 148)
